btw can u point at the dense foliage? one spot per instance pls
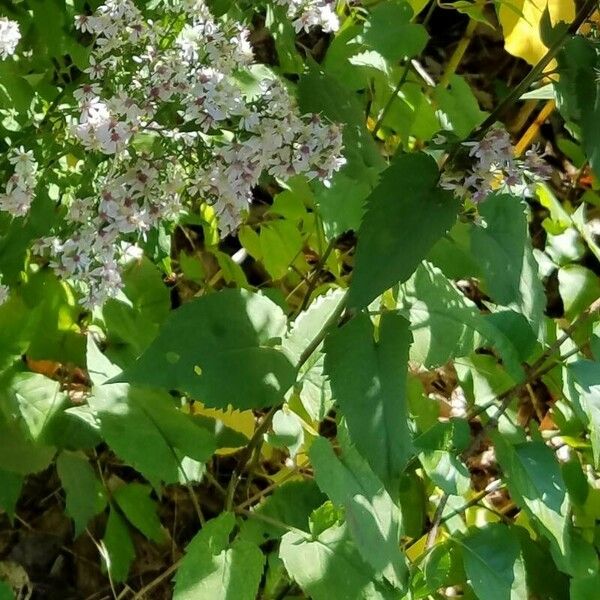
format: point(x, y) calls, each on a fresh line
point(290, 308)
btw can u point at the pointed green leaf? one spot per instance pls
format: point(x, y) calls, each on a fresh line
point(85, 494)
point(135, 502)
point(38, 398)
point(578, 94)
point(10, 490)
point(587, 376)
point(368, 380)
point(389, 31)
point(446, 471)
point(330, 566)
point(493, 562)
point(372, 517)
point(21, 455)
point(217, 569)
point(100, 368)
point(281, 244)
point(446, 324)
point(544, 580)
point(313, 386)
point(291, 503)
point(457, 107)
point(287, 431)
point(144, 428)
point(309, 323)
point(406, 214)
point(133, 319)
point(503, 250)
point(119, 551)
point(219, 349)
point(532, 474)
point(578, 287)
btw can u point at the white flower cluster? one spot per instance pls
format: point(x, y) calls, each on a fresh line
point(9, 37)
point(495, 166)
point(132, 202)
point(20, 188)
point(4, 292)
point(175, 113)
point(311, 13)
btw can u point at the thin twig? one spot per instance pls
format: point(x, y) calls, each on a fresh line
point(140, 595)
point(102, 550)
point(494, 486)
point(270, 521)
point(316, 272)
point(272, 486)
point(246, 455)
point(567, 333)
point(195, 502)
point(392, 98)
point(437, 519)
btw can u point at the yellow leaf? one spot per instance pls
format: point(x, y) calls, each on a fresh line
point(418, 5)
point(242, 421)
point(520, 20)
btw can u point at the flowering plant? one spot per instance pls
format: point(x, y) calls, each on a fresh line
point(167, 125)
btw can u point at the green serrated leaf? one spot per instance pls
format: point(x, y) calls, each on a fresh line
point(38, 399)
point(543, 578)
point(493, 562)
point(119, 551)
point(135, 502)
point(457, 107)
point(144, 428)
point(19, 454)
point(578, 287)
point(446, 471)
point(372, 517)
point(133, 319)
point(587, 377)
point(85, 494)
point(368, 380)
point(217, 569)
point(504, 253)
point(578, 93)
point(10, 490)
point(287, 431)
point(532, 474)
point(218, 349)
point(309, 323)
point(100, 368)
point(330, 566)
point(389, 31)
point(446, 325)
point(292, 503)
point(280, 245)
point(406, 214)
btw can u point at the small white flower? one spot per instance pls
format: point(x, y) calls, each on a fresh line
point(9, 37)
point(4, 293)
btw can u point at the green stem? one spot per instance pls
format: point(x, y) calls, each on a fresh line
point(246, 453)
point(391, 99)
point(312, 283)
